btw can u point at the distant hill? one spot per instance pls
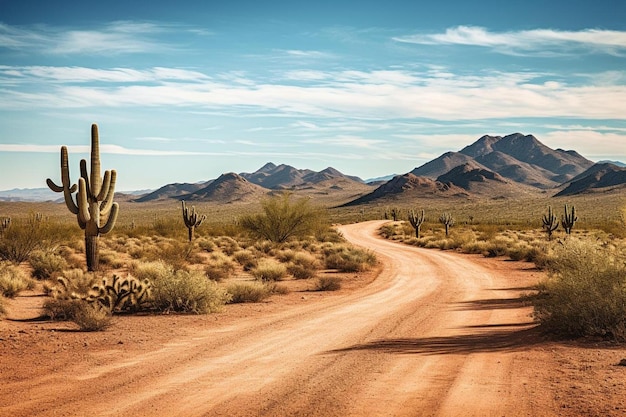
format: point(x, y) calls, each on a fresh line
point(443, 164)
point(600, 177)
point(171, 191)
point(227, 188)
point(30, 194)
point(410, 186)
point(283, 176)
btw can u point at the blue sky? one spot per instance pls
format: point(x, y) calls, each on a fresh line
point(185, 91)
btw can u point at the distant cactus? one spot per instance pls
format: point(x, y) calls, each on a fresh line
point(395, 213)
point(416, 221)
point(568, 220)
point(447, 220)
point(94, 207)
point(192, 220)
point(5, 223)
point(550, 222)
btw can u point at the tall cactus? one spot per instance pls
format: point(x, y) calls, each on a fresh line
point(191, 219)
point(447, 220)
point(94, 207)
point(550, 222)
point(568, 219)
point(416, 221)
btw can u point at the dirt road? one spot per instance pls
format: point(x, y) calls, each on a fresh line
point(436, 334)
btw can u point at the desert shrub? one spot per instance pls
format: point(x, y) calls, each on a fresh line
point(69, 294)
point(13, 280)
point(303, 265)
point(91, 317)
point(228, 245)
point(247, 258)
point(219, 267)
point(248, 292)
point(176, 253)
point(328, 284)
point(62, 309)
point(47, 265)
point(283, 219)
point(170, 227)
point(187, 292)
point(348, 259)
point(269, 270)
point(25, 236)
point(585, 294)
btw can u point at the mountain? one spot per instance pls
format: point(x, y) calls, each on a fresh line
point(30, 194)
point(410, 186)
point(516, 170)
point(600, 177)
point(556, 165)
point(442, 165)
point(227, 188)
point(283, 176)
point(466, 174)
point(171, 191)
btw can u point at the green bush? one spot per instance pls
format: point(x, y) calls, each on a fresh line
point(12, 280)
point(585, 294)
point(248, 292)
point(187, 292)
point(283, 219)
point(328, 284)
point(269, 270)
point(47, 265)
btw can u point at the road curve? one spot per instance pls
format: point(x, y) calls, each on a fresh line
point(436, 334)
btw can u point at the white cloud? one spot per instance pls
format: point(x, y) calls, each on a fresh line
point(594, 145)
point(537, 41)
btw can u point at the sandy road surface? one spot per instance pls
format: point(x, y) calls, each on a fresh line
point(435, 334)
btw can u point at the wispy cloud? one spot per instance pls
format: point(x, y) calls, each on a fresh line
point(119, 37)
point(533, 42)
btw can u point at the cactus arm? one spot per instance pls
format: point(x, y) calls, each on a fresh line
point(107, 202)
point(104, 189)
point(65, 186)
point(96, 179)
point(83, 214)
point(108, 226)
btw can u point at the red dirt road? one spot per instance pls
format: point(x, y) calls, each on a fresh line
point(436, 334)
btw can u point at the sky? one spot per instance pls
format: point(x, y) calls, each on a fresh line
point(185, 91)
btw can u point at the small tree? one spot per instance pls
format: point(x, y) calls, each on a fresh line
point(550, 222)
point(282, 219)
point(416, 221)
point(447, 220)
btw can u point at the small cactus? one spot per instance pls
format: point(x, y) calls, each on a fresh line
point(550, 222)
point(568, 219)
point(5, 224)
point(416, 221)
point(447, 220)
point(191, 219)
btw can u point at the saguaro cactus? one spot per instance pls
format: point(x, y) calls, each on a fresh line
point(447, 220)
point(191, 219)
point(568, 219)
point(94, 207)
point(416, 221)
point(550, 222)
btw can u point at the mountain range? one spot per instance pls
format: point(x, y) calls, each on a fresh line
point(491, 167)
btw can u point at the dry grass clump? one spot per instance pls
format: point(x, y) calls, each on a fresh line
point(219, 266)
point(248, 258)
point(180, 290)
point(303, 265)
point(228, 245)
point(346, 258)
point(328, 284)
point(47, 265)
point(248, 292)
point(13, 280)
point(91, 317)
point(585, 294)
point(269, 269)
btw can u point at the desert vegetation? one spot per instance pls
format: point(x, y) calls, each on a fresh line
point(585, 292)
point(156, 268)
